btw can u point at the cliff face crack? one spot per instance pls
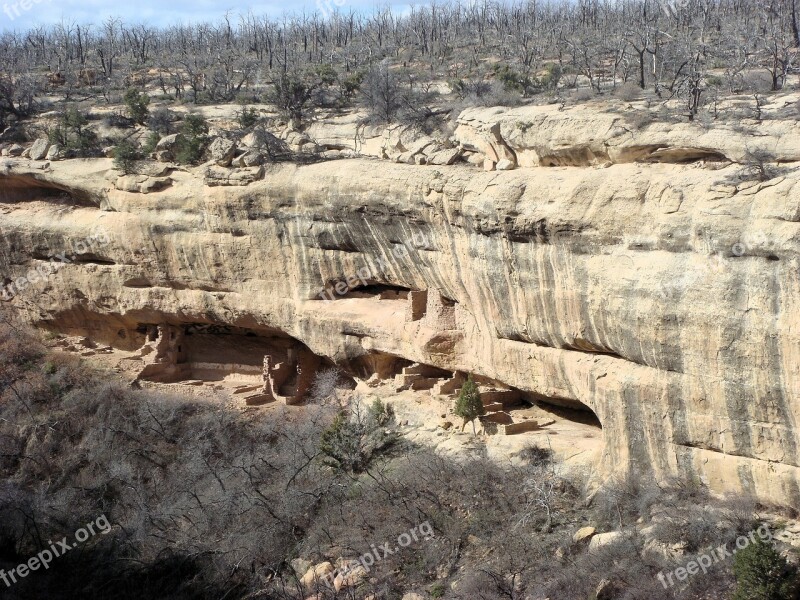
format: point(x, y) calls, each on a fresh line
point(92, 259)
point(734, 453)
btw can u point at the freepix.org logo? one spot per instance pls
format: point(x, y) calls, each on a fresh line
point(14, 10)
point(12, 288)
point(55, 550)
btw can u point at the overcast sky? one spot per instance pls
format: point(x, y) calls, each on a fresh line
point(159, 12)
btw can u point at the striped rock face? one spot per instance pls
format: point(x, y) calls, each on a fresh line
point(663, 297)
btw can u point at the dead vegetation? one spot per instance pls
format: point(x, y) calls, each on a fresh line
point(209, 502)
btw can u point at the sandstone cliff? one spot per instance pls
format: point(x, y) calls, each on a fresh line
point(662, 296)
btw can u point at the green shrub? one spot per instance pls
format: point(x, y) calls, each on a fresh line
point(763, 574)
point(247, 117)
point(126, 155)
point(513, 81)
point(151, 142)
point(380, 413)
point(326, 74)
point(469, 405)
point(161, 120)
point(355, 436)
point(137, 104)
point(71, 134)
point(352, 84)
point(193, 142)
point(553, 76)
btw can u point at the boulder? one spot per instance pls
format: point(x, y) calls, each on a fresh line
point(583, 534)
point(601, 540)
point(295, 138)
point(506, 165)
point(168, 146)
point(141, 184)
point(249, 159)
point(16, 150)
point(406, 158)
point(39, 149)
point(420, 145)
point(251, 140)
point(220, 176)
point(151, 169)
point(445, 157)
point(351, 576)
point(473, 158)
point(316, 573)
point(222, 151)
point(54, 152)
point(163, 156)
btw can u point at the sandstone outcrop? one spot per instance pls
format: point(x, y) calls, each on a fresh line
point(662, 297)
point(220, 176)
point(222, 151)
point(547, 136)
point(141, 184)
point(168, 146)
point(39, 149)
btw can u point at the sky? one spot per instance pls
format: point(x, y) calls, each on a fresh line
point(21, 15)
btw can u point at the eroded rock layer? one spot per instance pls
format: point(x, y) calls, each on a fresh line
point(663, 297)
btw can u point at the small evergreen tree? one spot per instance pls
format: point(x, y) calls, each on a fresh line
point(151, 142)
point(247, 117)
point(137, 104)
point(125, 156)
point(469, 405)
point(763, 574)
point(71, 132)
point(356, 435)
point(193, 141)
point(379, 413)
